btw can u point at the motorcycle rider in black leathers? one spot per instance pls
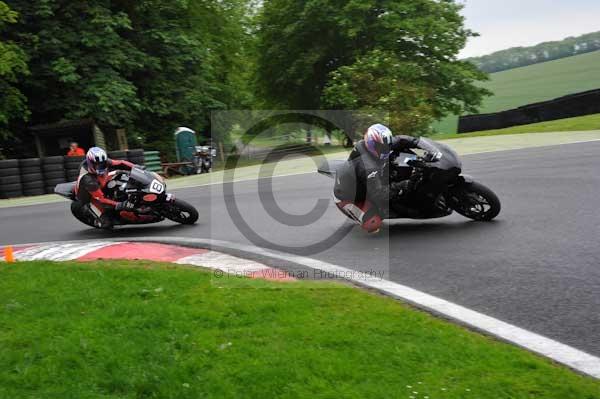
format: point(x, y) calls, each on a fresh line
point(362, 189)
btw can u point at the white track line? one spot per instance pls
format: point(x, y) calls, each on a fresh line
point(559, 352)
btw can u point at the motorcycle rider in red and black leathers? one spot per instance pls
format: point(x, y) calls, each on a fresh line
point(362, 188)
point(93, 177)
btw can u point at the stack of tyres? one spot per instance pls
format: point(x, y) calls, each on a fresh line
point(121, 155)
point(10, 179)
point(32, 178)
point(53, 169)
point(72, 167)
point(136, 156)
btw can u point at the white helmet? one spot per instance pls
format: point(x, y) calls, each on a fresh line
point(378, 140)
point(97, 161)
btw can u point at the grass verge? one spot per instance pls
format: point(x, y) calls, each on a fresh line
point(578, 124)
point(138, 329)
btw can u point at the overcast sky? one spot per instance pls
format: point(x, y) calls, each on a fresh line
point(510, 23)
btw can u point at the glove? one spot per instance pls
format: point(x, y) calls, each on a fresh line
point(433, 156)
point(124, 206)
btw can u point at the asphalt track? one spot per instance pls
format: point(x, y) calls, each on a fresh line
point(537, 266)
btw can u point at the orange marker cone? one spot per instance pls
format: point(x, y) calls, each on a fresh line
point(9, 256)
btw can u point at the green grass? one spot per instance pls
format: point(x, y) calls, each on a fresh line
point(578, 124)
point(534, 83)
point(141, 330)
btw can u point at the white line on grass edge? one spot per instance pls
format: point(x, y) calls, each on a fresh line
point(571, 357)
point(561, 353)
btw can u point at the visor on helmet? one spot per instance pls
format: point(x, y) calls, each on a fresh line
point(101, 167)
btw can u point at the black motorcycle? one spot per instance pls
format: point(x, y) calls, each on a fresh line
point(145, 189)
point(438, 187)
point(203, 159)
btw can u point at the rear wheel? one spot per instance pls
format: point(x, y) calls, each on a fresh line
point(181, 212)
point(475, 201)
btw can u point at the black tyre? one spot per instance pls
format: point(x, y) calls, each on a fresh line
point(58, 160)
point(54, 175)
point(72, 176)
point(181, 212)
point(73, 162)
point(30, 169)
point(10, 180)
point(31, 177)
point(33, 184)
point(9, 172)
point(137, 160)
point(135, 153)
point(52, 168)
point(29, 162)
point(475, 201)
point(55, 181)
point(79, 211)
point(72, 171)
point(118, 155)
point(11, 194)
point(33, 191)
point(9, 163)
point(10, 187)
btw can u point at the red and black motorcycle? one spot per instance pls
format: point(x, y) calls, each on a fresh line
point(146, 190)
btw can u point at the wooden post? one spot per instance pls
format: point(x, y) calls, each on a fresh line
point(222, 152)
point(38, 146)
point(122, 139)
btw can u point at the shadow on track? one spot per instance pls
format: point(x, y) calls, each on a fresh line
point(132, 231)
point(438, 228)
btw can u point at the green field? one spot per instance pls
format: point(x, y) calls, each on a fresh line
point(146, 330)
point(534, 83)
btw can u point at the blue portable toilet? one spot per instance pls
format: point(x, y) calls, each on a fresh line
point(185, 144)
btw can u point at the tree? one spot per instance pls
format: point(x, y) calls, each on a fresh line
point(522, 56)
point(367, 54)
point(148, 65)
point(378, 82)
point(13, 65)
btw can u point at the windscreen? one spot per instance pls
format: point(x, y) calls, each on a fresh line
point(140, 177)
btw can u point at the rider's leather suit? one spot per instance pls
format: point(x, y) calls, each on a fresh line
point(362, 186)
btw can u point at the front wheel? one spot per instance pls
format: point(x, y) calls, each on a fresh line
point(475, 201)
point(82, 214)
point(181, 212)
